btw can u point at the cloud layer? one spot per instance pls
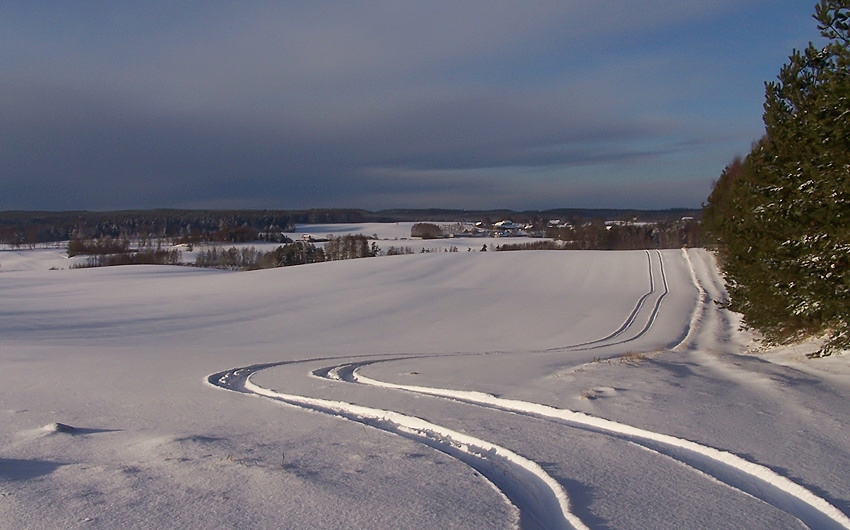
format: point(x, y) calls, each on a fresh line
point(380, 104)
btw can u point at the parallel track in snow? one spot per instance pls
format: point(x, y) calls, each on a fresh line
point(632, 318)
point(736, 472)
point(541, 501)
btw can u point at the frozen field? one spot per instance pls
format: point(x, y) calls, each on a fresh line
point(443, 390)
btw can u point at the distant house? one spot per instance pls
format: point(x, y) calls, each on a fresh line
point(506, 225)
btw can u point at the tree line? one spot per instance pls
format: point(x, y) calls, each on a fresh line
point(288, 254)
point(196, 226)
point(599, 235)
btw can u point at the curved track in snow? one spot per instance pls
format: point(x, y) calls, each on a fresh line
point(655, 273)
point(541, 502)
point(740, 474)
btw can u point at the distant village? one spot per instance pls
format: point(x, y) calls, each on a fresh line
point(588, 234)
point(580, 229)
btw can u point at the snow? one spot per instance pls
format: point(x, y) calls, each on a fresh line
point(540, 389)
point(42, 258)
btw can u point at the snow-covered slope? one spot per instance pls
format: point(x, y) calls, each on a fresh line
point(466, 390)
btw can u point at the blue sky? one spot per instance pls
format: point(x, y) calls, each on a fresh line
point(445, 104)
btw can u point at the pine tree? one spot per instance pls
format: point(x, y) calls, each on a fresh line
point(782, 216)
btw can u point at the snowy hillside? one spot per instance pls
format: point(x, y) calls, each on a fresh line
point(444, 390)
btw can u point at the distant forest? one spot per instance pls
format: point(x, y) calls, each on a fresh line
point(23, 228)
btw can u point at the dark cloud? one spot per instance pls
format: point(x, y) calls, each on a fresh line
point(362, 104)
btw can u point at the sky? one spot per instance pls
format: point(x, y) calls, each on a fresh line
point(117, 104)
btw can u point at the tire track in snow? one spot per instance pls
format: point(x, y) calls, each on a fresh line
point(700, 308)
point(754, 479)
point(741, 474)
point(656, 307)
point(526, 484)
point(733, 470)
point(541, 501)
point(703, 319)
point(630, 320)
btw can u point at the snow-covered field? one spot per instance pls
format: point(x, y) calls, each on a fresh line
point(384, 235)
point(442, 390)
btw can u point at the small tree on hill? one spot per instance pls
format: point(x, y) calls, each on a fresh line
point(426, 231)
